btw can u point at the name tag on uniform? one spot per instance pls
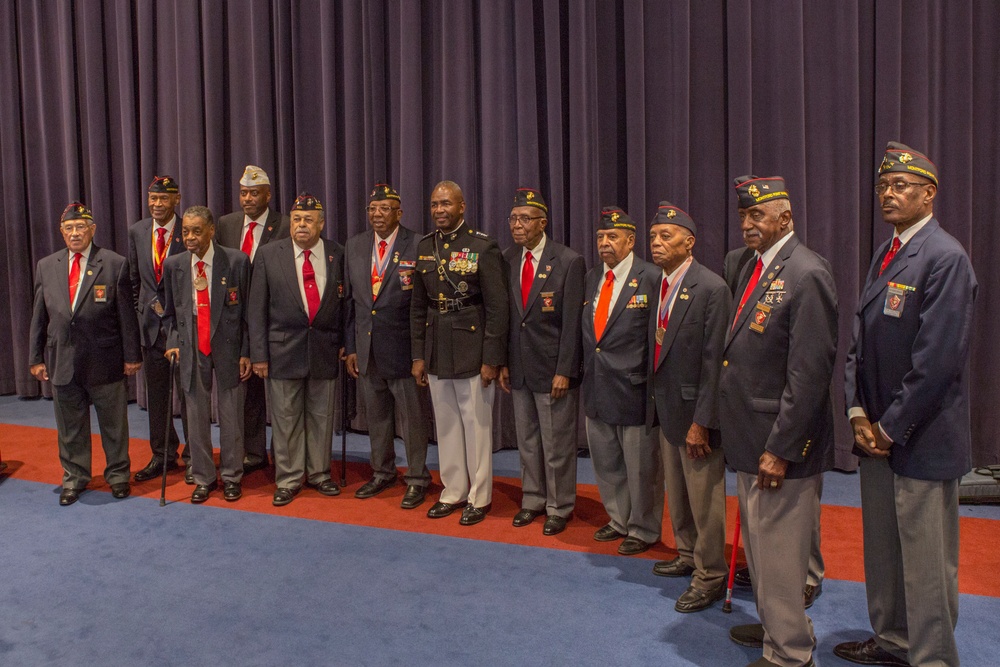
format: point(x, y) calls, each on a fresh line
point(548, 301)
point(758, 320)
point(895, 299)
point(100, 293)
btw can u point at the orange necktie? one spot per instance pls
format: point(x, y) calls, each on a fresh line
point(603, 304)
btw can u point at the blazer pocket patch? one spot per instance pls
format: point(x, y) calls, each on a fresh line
point(689, 392)
point(637, 378)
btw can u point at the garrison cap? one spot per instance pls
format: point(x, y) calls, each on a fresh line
point(667, 213)
point(165, 184)
point(530, 197)
point(613, 217)
point(383, 191)
point(306, 202)
point(752, 190)
point(254, 176)
point(900, 157)
point(76, 211)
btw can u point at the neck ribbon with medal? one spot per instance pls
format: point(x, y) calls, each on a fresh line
point(201, 279)
point(379, 266)
point(665, 309)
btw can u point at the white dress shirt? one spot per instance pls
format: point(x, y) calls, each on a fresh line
point(85, 255)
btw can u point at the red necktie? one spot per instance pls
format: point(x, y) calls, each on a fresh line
point(376, 278)
point(754, 279)
point(662, 322)
point(204, 315)
point(527, 277)
point(603, 305)
point(247, 246)
point(893, 249)
point(309, 281)
point(74, 278)
point(161, 253)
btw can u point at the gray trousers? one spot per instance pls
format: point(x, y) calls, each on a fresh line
point(696, 500)
point(198, 404)
point(629, 476)
point(72, 405)
point(546, 440)
point(777, 529)
point(301, 430)
point(383, 398)
point(911, 563)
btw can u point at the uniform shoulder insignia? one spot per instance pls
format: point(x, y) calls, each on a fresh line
point(482, 235)
point(427, 236)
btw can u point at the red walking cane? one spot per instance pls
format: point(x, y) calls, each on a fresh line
point(727, 606)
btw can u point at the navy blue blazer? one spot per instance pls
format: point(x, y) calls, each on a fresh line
point(147, 293)
point(774, 390)
point(380, 328)
point(280, 332)
point(545, 337)
point(684, 384)
point(615, 368)
point(227, 302)
point(911, 373)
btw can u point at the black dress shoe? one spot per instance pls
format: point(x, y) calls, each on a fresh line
point(121, 490)
point(867, 652)
point(810, 593)
point(373, 487)
point(189, 476)
point(751, 635)
point(413, 497)
point(632, 546)
point(283, 496)
point(154, 469)
point(200, 493)
point(326, 487)
point(232, 491)
point(695, 599)
point(69, 496)
point(672, 568)
point(524, 517)
point(440, 510)
point(742, 578)
point(607, 534)
point(554, 525)
point(473, 515)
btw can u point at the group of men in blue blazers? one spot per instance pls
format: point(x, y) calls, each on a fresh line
point(680, 373)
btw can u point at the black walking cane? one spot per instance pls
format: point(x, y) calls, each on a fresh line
point(727, 606)
point(343, 423)
point(166, 436)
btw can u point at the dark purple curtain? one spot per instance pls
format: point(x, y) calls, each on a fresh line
point(593, 101)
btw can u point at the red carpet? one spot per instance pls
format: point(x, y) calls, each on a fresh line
point(31, 454)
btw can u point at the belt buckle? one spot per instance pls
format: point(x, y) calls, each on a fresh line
point(443, 305)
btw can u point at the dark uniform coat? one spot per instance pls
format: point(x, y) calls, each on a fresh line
point(229, 230)
point(280, 332)
point(911, 373)
point(615, 369)
point(459, 312)
point(381, 328)
point(147, 294)
point(685, 383)
point(774, 389)
point(545, 336)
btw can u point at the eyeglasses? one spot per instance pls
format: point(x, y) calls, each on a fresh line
point(898, 187)
point(523, 219)
point(79, 227)
point(384, 209)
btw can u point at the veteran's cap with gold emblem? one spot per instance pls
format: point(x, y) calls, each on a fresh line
point(752, 190)
point(900, 157)
point(306, 202)
point(667, 213)
point(613, 217)
point(383, 191)
point(529, 197)
point(76, 211)
point(254, 176)
point(167, 184)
